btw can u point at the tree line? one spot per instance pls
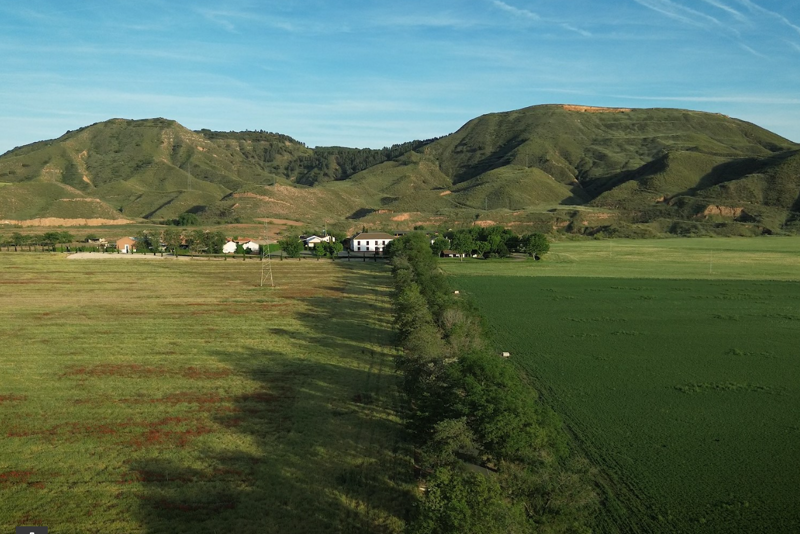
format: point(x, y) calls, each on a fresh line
point(339, 163)
point(47, 240)
point(491, 242)
point(491, 456)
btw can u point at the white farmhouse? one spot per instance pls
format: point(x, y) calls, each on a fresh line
point(250, 246)
point(312, 240)
point(229, 247)
point(370, 242)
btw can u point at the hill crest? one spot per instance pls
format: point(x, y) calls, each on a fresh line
point(631, 160)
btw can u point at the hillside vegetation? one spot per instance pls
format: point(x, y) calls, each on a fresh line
point(642, 167)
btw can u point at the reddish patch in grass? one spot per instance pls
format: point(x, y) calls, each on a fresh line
point(169, 431)
point(19, 478)
point(29, 520)
point(133, 370)
point(12, 398)
point(183, 397)
point(122, 370)
point(159, 433)
point(195, 373)
point(183, 506)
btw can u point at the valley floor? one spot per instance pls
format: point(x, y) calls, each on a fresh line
point(680, 384)
point(182, 397)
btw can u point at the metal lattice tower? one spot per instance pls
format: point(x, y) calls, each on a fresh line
point(266, 265)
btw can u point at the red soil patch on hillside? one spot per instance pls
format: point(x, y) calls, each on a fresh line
point(54, 221)
point(595, 109)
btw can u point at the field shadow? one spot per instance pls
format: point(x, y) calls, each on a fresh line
point(313, 446)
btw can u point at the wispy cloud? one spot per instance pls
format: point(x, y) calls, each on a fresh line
point(441, 20)
point(730, 99)
point(728, 9)
point(753, 51)
point(680, 13)
point(230, 20)
point(516, 11)
point(794, 45)
point(572, 28)
point(755, 8)
point(535, 17)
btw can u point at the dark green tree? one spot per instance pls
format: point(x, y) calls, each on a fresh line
point(458, 501)
point(173, 239)
point(331, 248)
point(17, 239)
point(463, 242)
point(188, 219)
point(291, 246)
point(534, 244)
point(439, 245)
point(214, 241)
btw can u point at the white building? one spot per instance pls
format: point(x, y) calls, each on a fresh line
point(229, 247)
point(250, 246)
point(312, 240)
point(370, 242)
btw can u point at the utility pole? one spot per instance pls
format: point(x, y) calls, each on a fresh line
point(266, 266)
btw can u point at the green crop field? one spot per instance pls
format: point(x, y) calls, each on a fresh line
point(178, 396)
point(682, 386)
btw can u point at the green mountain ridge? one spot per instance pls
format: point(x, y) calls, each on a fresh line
point(637, 165)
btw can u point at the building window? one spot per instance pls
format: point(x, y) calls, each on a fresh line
point(384, 243)
point(359, 249)
point(367, 248)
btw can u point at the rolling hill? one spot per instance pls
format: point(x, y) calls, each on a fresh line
point(538, 164)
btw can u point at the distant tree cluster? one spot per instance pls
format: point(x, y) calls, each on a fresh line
point(339, 163)
point(497, 242)
point(291, 245)
point(172, 239)
point(256, 136)
point(47, 240)
point(493, 457)
point(490, 242)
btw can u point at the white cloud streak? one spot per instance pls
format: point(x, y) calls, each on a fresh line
point(535, 17)
point(730, 99)
point(516, 11)
point(728, 9)
point(680, 13)
point(753, 51)
point(755, 8)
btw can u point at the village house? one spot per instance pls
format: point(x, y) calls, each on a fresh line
point(370, 242)
point(229, 247)
point(126, 245)
point(312, 240)
point(250, 246)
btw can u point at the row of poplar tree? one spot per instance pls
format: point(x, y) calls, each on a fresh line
point(491, 457)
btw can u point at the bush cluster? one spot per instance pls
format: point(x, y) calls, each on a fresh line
point(491, 456)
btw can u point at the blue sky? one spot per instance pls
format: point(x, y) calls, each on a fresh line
point(370, 74)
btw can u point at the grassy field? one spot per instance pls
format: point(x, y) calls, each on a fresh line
point(733, 258)
point(178, 396)
point(682, 386)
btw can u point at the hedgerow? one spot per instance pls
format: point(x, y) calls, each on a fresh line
point(491, 456)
